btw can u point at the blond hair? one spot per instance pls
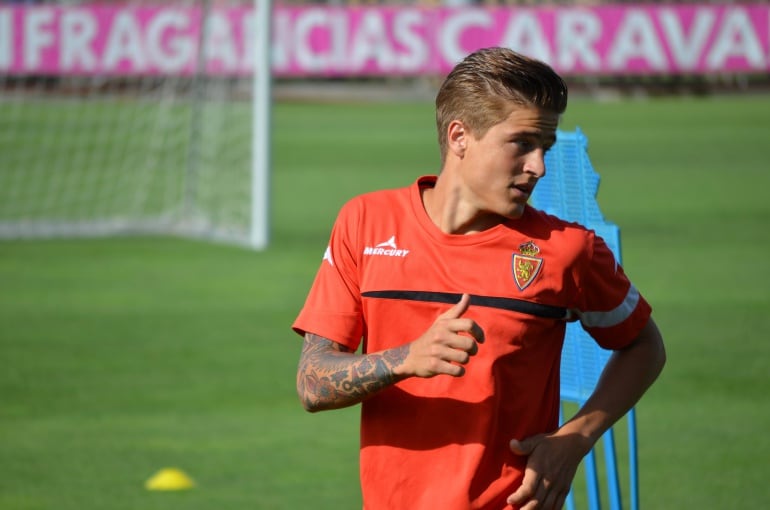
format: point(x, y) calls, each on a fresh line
point(485, 86)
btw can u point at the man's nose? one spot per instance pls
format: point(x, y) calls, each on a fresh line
point(535, 163)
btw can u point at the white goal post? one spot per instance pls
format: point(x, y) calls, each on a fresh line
point(136, 148)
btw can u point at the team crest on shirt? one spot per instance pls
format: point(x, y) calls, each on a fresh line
point(526, 265)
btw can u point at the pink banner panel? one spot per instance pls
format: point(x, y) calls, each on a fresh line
point(115, 40)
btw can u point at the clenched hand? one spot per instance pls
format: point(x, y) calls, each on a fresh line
point(446, 346)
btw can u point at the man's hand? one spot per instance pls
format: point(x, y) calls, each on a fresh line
point(445, 346)
point(552, 461)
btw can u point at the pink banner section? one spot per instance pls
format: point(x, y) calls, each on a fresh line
point(114, 40)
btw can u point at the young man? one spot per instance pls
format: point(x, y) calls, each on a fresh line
point(457, 293)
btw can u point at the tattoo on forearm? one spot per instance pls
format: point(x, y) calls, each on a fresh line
point(330, 377)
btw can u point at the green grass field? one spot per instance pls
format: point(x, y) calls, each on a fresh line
point(123, 356)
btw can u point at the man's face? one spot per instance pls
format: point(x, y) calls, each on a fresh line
point(499, 170)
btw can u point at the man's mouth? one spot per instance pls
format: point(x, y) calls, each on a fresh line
point(524, 188)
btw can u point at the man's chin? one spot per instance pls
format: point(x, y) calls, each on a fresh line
point(515, 213)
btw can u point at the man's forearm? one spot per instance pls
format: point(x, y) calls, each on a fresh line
point(628, 374)
point(330, 376)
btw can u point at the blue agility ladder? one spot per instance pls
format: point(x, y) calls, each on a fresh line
point(568, 191)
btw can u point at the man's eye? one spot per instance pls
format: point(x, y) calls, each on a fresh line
point(525, 145)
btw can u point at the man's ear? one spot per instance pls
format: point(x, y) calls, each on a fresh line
point(457, 138)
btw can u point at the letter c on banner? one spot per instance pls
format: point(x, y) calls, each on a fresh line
point(452, 29)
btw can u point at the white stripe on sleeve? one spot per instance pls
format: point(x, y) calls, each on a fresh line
point(611, 317)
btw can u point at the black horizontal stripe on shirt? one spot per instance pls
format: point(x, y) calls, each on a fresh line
point(501, 303)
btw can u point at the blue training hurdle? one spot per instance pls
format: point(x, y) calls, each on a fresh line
point(569, 191)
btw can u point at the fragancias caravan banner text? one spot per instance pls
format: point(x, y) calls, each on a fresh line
point(116, 40)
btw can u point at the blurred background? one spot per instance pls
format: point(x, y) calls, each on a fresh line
point(142, 327)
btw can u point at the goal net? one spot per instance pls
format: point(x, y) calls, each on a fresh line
point(113, 122)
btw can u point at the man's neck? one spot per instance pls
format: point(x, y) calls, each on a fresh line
point(452, 213)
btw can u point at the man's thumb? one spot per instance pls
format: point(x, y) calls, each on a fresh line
point(523, 447)
point(458, 309)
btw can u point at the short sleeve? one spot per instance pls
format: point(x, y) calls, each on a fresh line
point(610, 308)
point(332, 308)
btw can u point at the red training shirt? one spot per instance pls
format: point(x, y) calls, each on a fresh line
point(389, 272)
